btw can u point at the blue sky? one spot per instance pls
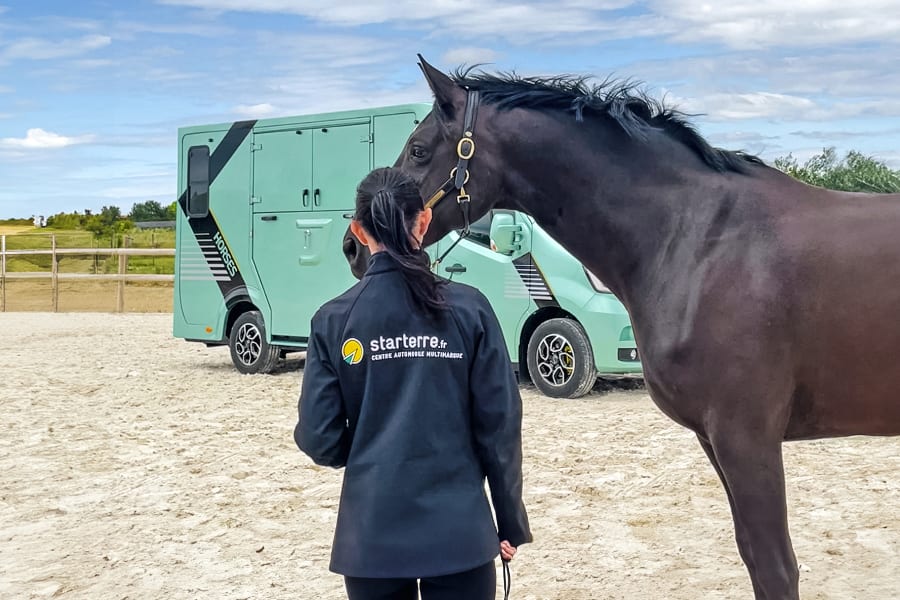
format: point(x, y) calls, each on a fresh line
point(92, 92)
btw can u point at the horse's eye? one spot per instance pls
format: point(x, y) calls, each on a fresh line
point(418, 153)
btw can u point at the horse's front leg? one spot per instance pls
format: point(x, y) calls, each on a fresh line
point(748, 460)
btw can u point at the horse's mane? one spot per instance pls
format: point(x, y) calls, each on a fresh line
point(623, 101)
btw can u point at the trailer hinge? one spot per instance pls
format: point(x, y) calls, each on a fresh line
point(255, 199)
point(367, 139)
point(255, 147)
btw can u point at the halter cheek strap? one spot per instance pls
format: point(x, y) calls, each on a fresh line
point(459, 175)
point(465, 150)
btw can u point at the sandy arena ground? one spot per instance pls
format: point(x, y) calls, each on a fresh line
point(134, 465)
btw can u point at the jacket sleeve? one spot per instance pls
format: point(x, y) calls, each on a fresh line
point(321, 431)
point(497, 426)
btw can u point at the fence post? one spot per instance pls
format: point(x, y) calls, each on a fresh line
point(54, 274)
point(2, 273)
point(120, 287)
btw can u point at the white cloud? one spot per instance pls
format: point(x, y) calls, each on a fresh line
point(348, 12)
point(93, 63)
point(211, 30)
point(831, 136)
point(37, 138)
point(5, 89)
point(768, 23)
point(764, 23)
point(743, 137)
point(469, 55)
point(754, 105)
point(48, 22)
point(255, 111)
point(844, 83)
point(859, 71)
point(890, 157)
point(41, 49)
point(469, 17)
point(151, 189)
point(783, 107)
point(337, 72)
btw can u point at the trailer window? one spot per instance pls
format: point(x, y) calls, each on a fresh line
point(198, 181)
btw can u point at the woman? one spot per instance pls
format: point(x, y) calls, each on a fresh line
point(408, 385)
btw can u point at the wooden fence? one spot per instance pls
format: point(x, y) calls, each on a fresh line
point(121, 277)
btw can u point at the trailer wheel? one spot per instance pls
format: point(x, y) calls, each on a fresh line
point(560, 359)
point(250, 352)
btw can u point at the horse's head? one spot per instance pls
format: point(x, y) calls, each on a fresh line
point(356, 254)
point(436, 147)
point(432, 151)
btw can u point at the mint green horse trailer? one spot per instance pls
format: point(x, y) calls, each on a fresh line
point(263, 208)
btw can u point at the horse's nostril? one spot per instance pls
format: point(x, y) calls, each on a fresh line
point(349, 248)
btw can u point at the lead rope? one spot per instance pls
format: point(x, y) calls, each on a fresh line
point(507, 580)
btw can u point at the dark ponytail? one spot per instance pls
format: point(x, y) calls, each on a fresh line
point(387, 204)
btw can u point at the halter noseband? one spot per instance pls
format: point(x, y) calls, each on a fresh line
point(459, 175)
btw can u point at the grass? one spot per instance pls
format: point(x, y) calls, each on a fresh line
point(31, 238)
point(91, 296)
point(15, 229)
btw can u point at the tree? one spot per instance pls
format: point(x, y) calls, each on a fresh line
point(151, 210)
point(854, 173)
point(67, 221)
point(108, 223)
point(171, 211)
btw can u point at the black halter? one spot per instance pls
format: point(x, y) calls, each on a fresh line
point(459, 175)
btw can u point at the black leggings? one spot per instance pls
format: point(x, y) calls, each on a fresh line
point(478, 584)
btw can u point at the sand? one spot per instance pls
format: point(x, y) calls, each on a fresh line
point(135, 465)
point(87, 296)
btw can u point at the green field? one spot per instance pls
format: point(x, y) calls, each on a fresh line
point(41, 239)
point(36, 294)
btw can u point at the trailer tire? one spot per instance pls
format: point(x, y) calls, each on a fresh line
point(250, 352)
point(560, 359)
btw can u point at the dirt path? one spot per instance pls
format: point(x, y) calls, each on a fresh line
point(134, 465)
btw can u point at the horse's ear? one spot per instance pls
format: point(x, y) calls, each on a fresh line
point(449, 98)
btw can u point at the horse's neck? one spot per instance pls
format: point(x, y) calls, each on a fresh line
point(628, 223)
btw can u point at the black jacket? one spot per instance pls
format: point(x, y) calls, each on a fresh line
point(420, 412)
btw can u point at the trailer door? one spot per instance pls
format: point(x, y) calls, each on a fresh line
point(282, 171)
point(297, 236)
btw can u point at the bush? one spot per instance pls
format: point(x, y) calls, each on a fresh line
point(853, 173)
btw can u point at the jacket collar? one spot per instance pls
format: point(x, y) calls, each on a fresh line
point(381, 262)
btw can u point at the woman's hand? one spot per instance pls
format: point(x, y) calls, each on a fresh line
point(506, 551)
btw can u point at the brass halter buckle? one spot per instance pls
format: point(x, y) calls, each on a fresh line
point(465, 147)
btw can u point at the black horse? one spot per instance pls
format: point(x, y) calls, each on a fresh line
point(764, 309)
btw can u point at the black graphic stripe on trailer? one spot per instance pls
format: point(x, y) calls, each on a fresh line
point(534, 281)
point(219, 257)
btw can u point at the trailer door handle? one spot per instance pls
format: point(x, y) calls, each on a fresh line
point(457, 268)
point(317, 197)
point(270, 218)
point(305, 199)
